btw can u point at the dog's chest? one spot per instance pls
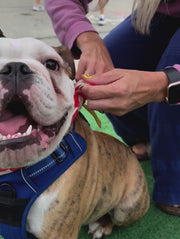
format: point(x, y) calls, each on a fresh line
point(37, 212)
point(28, 184)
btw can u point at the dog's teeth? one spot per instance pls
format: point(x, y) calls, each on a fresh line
point(8, 136)
point(17, 135)
point(3, 137)
point(29, 130)
point(39, 127)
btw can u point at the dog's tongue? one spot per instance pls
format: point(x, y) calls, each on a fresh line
point(12, 124)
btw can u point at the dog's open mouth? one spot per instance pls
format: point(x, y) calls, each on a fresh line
point(18, 129)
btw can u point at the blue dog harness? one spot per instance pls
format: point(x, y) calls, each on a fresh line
point(19, 189)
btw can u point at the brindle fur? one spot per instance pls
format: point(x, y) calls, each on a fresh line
point(106, 179)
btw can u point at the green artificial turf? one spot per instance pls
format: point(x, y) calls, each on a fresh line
point(155, 224)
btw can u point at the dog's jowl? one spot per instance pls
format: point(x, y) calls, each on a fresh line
point(57, 175)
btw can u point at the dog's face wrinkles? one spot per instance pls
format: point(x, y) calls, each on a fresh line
point(36, 96)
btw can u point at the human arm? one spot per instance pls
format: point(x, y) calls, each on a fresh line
point(95, 57)
point(121, 91)
point(68, 19)
point(75, 31)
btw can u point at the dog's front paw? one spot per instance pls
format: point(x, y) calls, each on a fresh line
point(102, 227)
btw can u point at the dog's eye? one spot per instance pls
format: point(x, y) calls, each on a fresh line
point(52, 65)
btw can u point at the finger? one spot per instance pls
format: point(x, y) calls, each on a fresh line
point(100, 105)
point(102, 67)
point(95, 92)
point(80, 70)
point(103, 79)
point(106, 106)
point(90, 68)
point(96, 67)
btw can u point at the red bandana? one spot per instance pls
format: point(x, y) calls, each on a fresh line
point(79, 100)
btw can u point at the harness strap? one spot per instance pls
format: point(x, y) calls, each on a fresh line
point(11, 208)
point(19, 189)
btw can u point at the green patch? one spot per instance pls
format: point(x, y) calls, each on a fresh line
point(106, 126)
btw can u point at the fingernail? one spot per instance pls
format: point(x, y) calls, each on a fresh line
point(80, 93)
point(80, 88)
point(87, 76)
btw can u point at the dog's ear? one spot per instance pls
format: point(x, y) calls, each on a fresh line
point(65, 53)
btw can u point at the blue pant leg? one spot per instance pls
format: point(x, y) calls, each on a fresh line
point(164, 124)
point(130, 50)
point(132, 127)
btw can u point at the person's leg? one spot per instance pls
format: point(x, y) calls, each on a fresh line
point(37, 6)
point(130, 50)
point(101, 20)
point(164, 124)
point(133, 51)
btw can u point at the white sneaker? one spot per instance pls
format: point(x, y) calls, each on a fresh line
point(101, 21)
point(38, 8)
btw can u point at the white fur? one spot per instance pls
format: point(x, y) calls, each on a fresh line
point(48, 105)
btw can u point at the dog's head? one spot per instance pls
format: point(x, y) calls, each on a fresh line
point(36, 100)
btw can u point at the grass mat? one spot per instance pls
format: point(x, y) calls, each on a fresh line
point(155, 224)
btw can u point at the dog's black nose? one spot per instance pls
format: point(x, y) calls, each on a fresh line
point(14, 68)
point(16, 76)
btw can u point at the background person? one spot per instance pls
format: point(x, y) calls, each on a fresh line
point(38, 6)
point(101, 20)
point(140, 50)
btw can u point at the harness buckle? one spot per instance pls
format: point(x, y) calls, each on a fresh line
point(11, 208)
point(60, 158)
point(7, 191)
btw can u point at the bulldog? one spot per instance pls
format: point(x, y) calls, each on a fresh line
point(104, 186)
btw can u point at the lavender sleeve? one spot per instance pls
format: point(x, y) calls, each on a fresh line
point(172, 8)
point(68, 19)
point(177, 66)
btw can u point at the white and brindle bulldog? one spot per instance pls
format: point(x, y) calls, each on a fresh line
point(105, 186)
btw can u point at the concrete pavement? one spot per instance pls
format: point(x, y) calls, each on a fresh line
point(18, 20)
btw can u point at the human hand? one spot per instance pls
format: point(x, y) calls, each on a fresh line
point(94, 57)
point(120, 91)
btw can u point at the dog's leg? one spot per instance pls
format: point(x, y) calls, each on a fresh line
point(127, 212)
point(103, 226)
point(133, 206)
